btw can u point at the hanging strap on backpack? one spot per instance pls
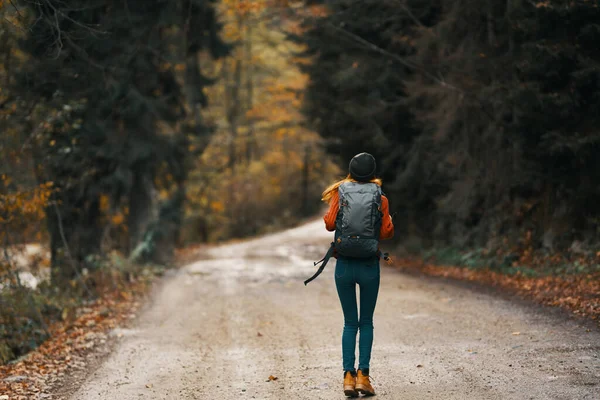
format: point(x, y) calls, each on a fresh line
point(329, 254)
point(386, 257)
point(325, 259)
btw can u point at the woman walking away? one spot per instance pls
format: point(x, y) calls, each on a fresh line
point(359, 215)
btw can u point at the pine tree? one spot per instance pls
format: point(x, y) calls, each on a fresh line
point(504, 96)
point(556, 115)
point(106, 71)
point(356, 98)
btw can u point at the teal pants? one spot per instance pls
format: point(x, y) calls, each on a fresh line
point(365, 274)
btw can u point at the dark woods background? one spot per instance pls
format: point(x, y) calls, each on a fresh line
point(94, 122)
point(133, 128)
point(483, 113)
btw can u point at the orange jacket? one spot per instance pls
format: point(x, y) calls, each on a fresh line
point(387, 226)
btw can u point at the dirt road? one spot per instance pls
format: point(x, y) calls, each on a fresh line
point(220, 327)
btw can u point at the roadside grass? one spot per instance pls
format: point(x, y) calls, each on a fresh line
point(26, 314)
point(479, 259)
point(46, 333)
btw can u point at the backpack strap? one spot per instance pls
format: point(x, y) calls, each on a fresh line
point(325, 259)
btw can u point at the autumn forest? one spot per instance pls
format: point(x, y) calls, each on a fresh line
point(136, 132)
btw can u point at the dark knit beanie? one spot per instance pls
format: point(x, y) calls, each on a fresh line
point(362, 167)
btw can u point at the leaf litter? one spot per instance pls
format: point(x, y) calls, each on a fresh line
point(71, 341)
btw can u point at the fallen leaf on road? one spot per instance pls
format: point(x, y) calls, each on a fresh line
point(70, 343)
point(149, 386)
point(272, 378)
point(419, 366)
point(259, 334)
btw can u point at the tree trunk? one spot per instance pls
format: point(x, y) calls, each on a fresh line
point(140, 206)
point(305, 180)
point(508, 17)
point(233, 111)
point(250, 141)
point(490, 23)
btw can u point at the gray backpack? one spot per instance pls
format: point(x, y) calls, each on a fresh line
point(358, 220)
point(357, 225)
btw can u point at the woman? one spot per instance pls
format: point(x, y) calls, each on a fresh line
point(351, 271)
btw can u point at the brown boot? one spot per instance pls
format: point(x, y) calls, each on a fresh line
point(349, 384)
point(363, 383)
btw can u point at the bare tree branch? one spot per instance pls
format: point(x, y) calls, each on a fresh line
point(68, 251)
point(16, 9)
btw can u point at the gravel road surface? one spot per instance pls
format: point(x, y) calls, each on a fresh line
point(220, 327)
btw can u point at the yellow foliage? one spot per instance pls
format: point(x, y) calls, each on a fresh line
point(265, 189)
point(164, 194)
point(217, 206)
point(280, 133)
point(117, 219)
point(22, 206)
point(104, 203)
